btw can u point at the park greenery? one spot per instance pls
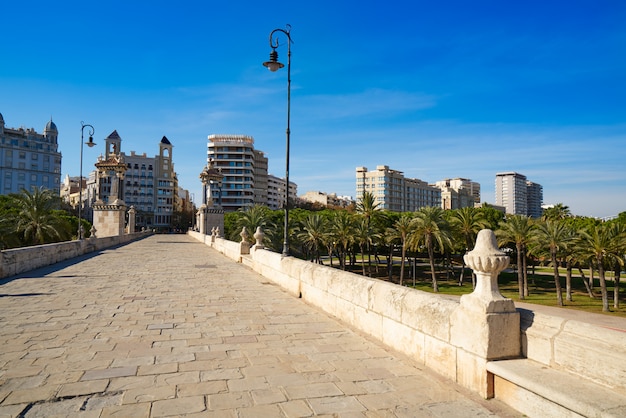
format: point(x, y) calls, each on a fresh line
point(33, 218)
point(559, 252)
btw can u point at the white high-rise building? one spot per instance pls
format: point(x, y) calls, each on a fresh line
point(518, 195)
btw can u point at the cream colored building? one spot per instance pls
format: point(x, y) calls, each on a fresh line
point(276, 192)
point(395, 192)
point(327, 199)
point(458, 193)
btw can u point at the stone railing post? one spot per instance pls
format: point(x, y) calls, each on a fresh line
point(486, 325)
point(258, 236)
point(244, 245)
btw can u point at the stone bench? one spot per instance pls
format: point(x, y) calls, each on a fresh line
point(537, 390)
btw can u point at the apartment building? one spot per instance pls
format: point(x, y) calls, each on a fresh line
point(276, 192)
point(518, 195)
point(395, 192)
point(458, 193)
point(246, 180)
point(534, 199)
point(29, 159)
point(327, 199)
point(150, 184)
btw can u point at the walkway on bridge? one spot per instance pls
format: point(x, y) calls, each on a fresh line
point(167, 326)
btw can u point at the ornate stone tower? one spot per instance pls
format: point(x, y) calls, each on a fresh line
point(109, 209)
point(210, 215)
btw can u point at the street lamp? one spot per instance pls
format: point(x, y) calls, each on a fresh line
point(273, 65)
point(90, 143)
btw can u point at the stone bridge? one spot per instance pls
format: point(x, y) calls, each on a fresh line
point(194, 325)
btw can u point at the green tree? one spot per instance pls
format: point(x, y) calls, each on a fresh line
point(466, 223)
point(36, 221)
point(517, 230)
point(402, 227)
point(368, 208)
point(555, 238)
point(364, 235)
point(251, 218)
point(342, 233)
point(556, 212)
point(313, 234)
point(429, 228)
point(602, 243)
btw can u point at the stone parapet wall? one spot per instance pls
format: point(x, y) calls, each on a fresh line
point(20, 260)
point(593, 352)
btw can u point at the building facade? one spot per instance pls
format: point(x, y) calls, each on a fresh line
point(234, 157)
point(518, 195)
point(246, 181)
point(458, 193)
point(534, 199)
point(327, 199)
point(29, 159)
point(276, 192)
point(150, 184)
point(395, 192)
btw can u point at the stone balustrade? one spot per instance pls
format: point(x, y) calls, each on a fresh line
point(18, 260)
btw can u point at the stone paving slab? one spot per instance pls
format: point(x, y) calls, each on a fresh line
point(149, 330)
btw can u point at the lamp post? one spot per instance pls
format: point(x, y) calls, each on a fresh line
point(273, 65)
point(90, 143)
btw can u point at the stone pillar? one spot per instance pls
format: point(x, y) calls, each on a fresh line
point(202, 219)
point(244, 245)
point(486, 325)
point(131, 220)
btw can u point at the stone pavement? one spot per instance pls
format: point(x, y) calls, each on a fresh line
point(167, 326)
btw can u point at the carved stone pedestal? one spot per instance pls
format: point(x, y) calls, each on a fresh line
point(485, 325)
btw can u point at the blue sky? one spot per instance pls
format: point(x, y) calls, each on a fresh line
point(434, 89)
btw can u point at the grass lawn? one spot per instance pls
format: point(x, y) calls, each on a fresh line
point(540, 284)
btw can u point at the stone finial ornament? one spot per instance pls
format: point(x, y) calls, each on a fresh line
point(487, 261)
point(244, 234)
point(258, 236)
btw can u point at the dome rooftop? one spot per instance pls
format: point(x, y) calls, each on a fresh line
point(50, 126)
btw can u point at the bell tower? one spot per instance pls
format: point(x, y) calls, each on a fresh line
point(109, 208)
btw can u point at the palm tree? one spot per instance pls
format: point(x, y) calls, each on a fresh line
point(313, 234)
point(362, 237)
point(368, 207)
point(516, 229)
point(554, 237)
point(36, 222)
point(467, 222)
point(556, 212)
point(342, 230)
point(601, 243)
point(617, 231)
point(403, 227)
point(429, 228)
point(251, 218)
